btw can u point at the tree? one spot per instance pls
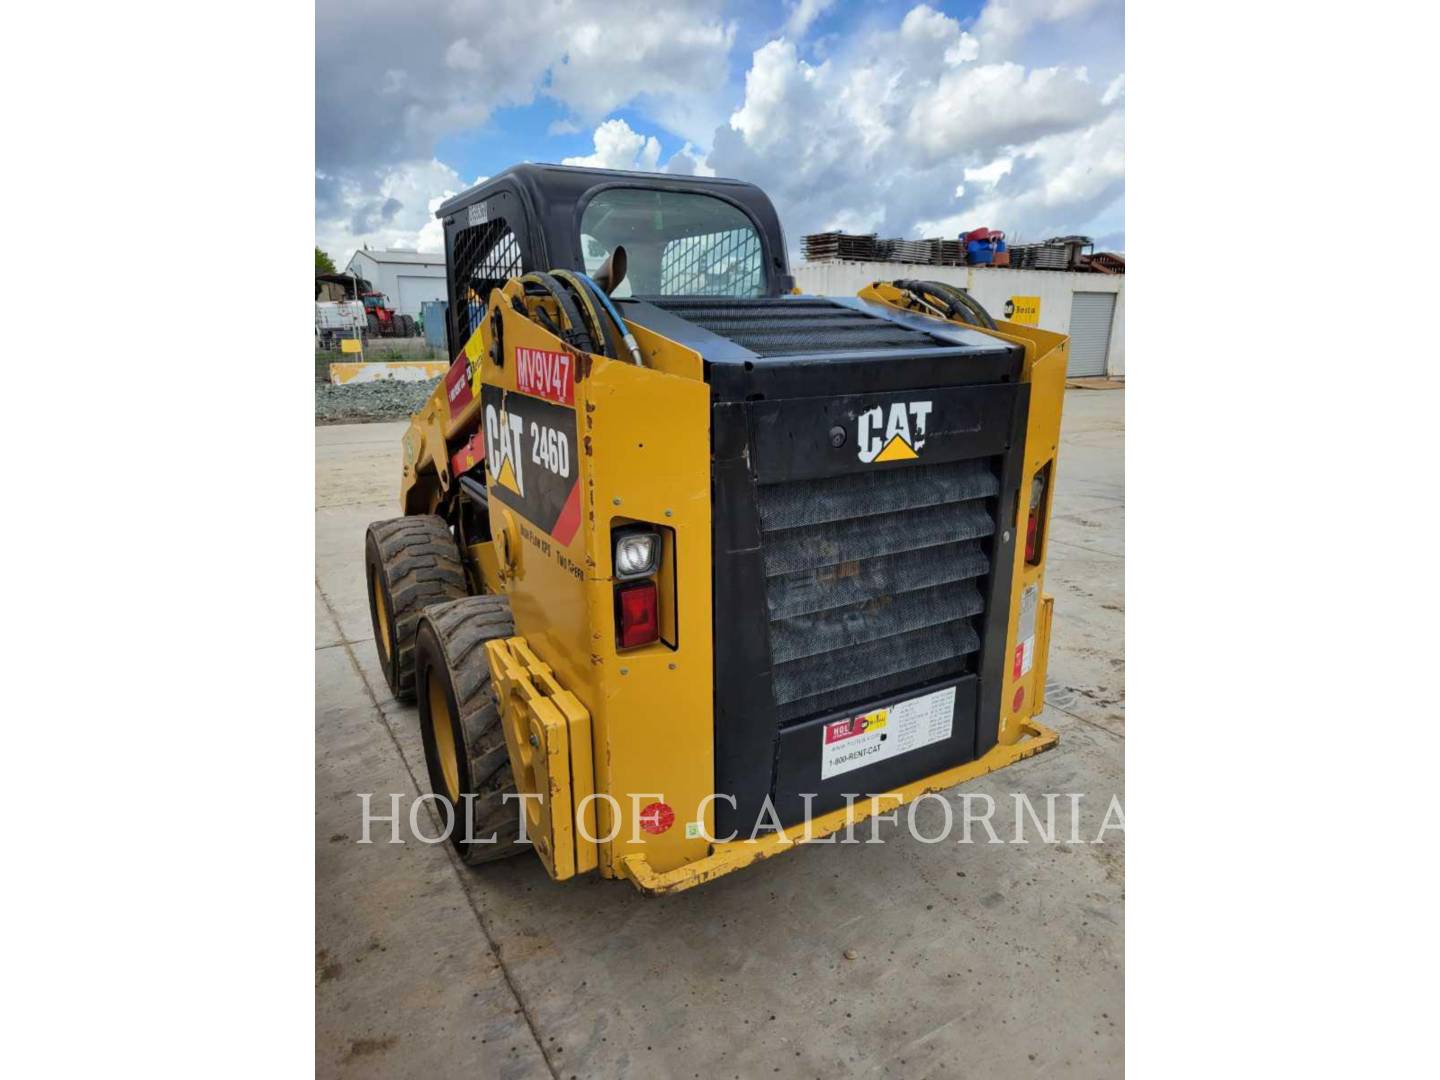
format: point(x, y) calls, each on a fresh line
point(323, 263)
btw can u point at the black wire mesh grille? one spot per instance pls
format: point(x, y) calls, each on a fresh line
point(772, 326)
point(725, 263)
point(484, 257)
point(874, 581)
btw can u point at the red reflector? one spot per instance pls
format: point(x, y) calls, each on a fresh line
point(637, 614)
point(656, 818)
point(1032, 537)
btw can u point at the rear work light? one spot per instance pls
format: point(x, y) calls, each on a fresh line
point(637, 614)
point(636, 554)
point(1034, 525)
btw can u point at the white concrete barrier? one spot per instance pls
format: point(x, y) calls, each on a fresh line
point(345, 373)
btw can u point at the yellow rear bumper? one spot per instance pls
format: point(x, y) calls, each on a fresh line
point(738, 854)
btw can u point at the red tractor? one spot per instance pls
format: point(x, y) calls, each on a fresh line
point(384, 321)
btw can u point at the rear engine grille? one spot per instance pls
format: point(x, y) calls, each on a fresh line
point(873, 580)
point(777, 327)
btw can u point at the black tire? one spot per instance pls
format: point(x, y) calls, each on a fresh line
point(410, 562)
point(458, 710)
point(372, 324)
point(407, 326)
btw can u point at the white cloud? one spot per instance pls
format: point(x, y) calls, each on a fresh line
point(803, 13)
point(906, 122)
point(925, 30)
point(1003, 23)
point(449, 64)
point(462, 56)
point(855, 220)
point(432, 234)
point(619, 147)
point(669, 57)
point(1071, 180)
point(393, 80)
point(394, 208)
point(999, 105)
point(1115, 91)
point(779, 94)
point(990, 174)
point(689, 161)
point(910, 130)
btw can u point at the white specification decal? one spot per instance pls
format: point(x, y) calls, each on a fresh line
point(862, 740)
point(1025, 635)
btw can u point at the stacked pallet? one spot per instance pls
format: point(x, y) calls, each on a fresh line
point(1057, 253)
point(844, 247)
point(1038, 257)
point(840, 247)
point(946, 252)
point(905, 251)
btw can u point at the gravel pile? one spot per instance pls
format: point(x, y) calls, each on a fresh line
point(365, 402)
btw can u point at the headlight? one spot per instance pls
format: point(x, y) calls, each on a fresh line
point(636, 554)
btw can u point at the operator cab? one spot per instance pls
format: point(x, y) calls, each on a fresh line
point(683, 236)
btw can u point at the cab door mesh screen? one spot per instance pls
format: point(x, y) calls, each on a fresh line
point(484, 257)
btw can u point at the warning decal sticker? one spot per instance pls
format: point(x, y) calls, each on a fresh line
point(857, 741)
point(458, 390)
point(1025, 635)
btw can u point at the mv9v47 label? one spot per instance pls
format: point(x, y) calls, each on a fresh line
point(530, 460)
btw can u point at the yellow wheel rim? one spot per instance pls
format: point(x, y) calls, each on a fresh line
point(442, 726)
point(382, 613)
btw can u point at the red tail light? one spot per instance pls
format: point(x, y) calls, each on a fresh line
point(637, 614)
point(1037, 508)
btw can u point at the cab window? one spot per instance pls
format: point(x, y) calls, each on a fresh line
point(676, 243)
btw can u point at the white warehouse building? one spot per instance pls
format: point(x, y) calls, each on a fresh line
point(1089, 307)
point(408, 278)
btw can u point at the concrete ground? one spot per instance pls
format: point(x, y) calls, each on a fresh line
point(900, 958)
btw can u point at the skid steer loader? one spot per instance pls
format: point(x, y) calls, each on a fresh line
point(691, 568)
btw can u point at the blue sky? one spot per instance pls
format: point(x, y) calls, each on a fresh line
point(904, 118)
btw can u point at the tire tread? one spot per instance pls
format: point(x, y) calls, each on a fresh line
point(421, 566)
point(462, 627)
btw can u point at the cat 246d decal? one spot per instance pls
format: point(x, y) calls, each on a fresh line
point(530, 461)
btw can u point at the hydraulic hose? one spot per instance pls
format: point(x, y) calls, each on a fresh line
point(957, 302)
point(960, 297)
point(575, 332)
point(924, 292)
point(609, 305)
point(600, 329)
